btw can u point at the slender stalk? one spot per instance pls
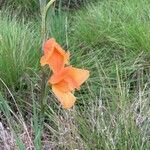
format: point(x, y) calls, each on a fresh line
point(48, 5)
point(44, 8)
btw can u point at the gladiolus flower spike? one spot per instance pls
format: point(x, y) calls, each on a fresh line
point(65, 79)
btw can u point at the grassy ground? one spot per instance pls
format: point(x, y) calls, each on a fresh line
point(109, 38)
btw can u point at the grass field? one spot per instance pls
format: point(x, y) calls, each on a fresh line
point(109, 38)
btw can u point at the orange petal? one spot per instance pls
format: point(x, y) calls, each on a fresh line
point(48, 50)
point(63, 53)
point(76, 77)
point(67, 99)
point(62, 86)
point(57, 61)
point(57, 77)
point(54, 56)
point(73, 76)
point(49, 46)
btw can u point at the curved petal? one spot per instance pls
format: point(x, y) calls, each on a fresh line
point(76, 77)
point(73, 76)
point(48, 50)
point(62, 86)
point(54, 56)
point(49, 46)
point(56, 62)
point(67, 99)
point(57, 77)
point(63, 53)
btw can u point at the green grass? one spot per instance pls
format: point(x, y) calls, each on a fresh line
point(58, 25)
point(119, 22)
point(19, 49)
point(32, 7)
point(109, 38)
point(28, 7)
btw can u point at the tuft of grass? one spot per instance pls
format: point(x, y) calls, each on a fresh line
point(32, 7)
point(19, 48)
point(58, 25)
point(26, 7)
point(115, 22)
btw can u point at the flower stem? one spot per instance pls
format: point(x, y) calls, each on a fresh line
point(44, 8)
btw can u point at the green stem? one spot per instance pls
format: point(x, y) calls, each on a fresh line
point(44, 9)
point(48, 5)
point(42, 96)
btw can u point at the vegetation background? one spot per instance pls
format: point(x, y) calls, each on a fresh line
point(111, 38)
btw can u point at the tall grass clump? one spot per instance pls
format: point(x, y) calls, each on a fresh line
point(115, 22)
point(32, 7)
point(23, 6)
point(58, 26)
point(19, 48)
point(115, 33)
point(71, 4)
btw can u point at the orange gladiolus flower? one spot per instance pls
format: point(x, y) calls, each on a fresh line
point(66, 81)
point(54, 56)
